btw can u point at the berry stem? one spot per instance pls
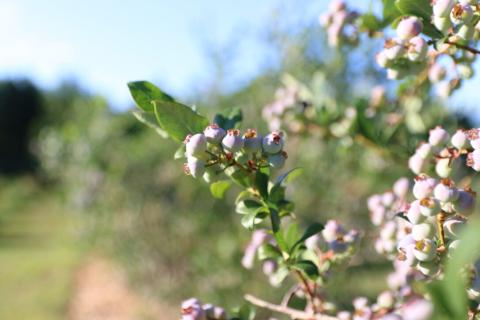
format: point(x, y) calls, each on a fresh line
point(441, 232)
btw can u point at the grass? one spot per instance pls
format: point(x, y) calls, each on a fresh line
point(39, 253)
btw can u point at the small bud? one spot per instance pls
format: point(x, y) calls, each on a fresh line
point(386, 300)
point(474, 137)
point(333, 230)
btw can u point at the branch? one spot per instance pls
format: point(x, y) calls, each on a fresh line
point(459, 45)
point(293, 313)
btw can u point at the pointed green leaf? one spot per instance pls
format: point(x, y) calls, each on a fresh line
point(144, 92)
point(178, 119)
point(219, 188)
point(150, 120)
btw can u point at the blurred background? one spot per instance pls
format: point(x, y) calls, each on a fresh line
point(97, 221)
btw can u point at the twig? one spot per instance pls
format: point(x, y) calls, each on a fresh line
point(310, 294)
point(458, 45)
point(293, 313)
point(289, 295)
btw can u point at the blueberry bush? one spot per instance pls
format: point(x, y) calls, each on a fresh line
point(424, 224)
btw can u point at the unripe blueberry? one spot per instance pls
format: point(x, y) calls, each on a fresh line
point(360, 303)
point(436, 73)
point(422, 231)
point(273, 142)
point(377, 216)
point(417, 51)
point(429, 207)
point(416, 163)
point(417, 309)
point(465, 202)
point(401, 187)
point(409, 28)
point(414, 213)
point(438, 136)
point(442, 23)
point(428, 268)
point(388, 231)
point(252, 141)
point(338, 246)
point(445, 191)
point(405, 248)
point(196, 167)
point(386, 300)
point(453, 227)
point(461, 13)
point(394, 49)
point(277, 161)
point(374, 202)
point(424, 150)
point(423, 187)
point(196, 145)
point(214, 133)
point(269, 267)
point(232, 142)
point(344, 315)
point(443, 167)
point(442, 8)
point(459, 139)
point(425, 250)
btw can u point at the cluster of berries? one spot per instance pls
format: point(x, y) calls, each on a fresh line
point(211, 152)
point(335, 238)
point(463, 142)
point(339, 22)
point(383, 208)
point(388, 307)
point(456, 17)
point(269, 266)
point(399, 53)
point(192, 309)
point(433, 220)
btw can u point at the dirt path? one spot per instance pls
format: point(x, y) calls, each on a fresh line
point(101, 293)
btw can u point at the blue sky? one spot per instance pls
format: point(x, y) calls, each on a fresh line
point(104, 44)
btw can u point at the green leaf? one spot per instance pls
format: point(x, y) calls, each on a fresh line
point(390, 11)
point(238, 176)
point(449, 294)
point(180, 153)
point(268, 251)
point(291, 235)
point(261, 182)
point(421, 9)
point(219, 188)
point(307, 267)
point(178, 119)
point(312, 230)
point(150, 120)
point(230, 120)
point(290, 176)
point(245, 312)
point(144, 92)
point(275, 220)
point(370, 22)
